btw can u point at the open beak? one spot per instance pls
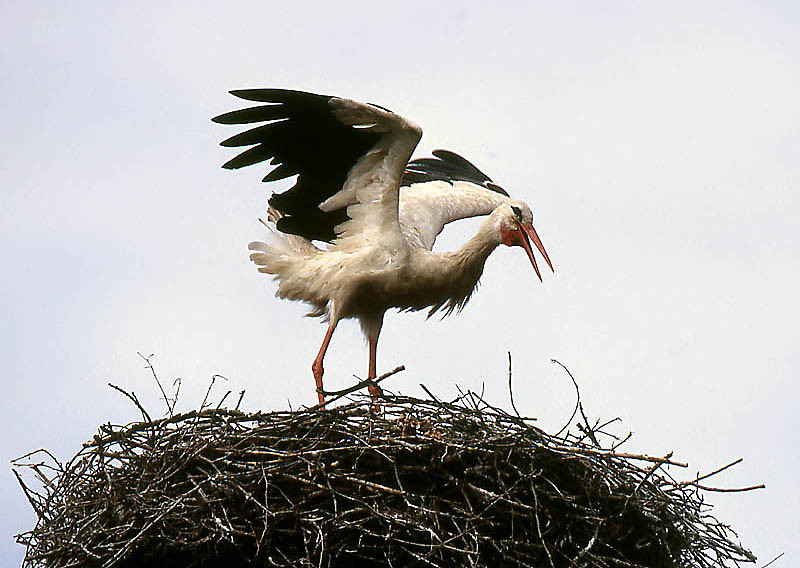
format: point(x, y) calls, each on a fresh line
point(525, 232)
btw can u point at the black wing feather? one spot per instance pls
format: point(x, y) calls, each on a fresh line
point(302, 137)
point(253, 136)
point(447, 166)
point(254, 155)
point(250, 115)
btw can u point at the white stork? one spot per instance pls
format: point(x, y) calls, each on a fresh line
point(379, 213)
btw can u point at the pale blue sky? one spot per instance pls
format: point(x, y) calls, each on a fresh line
point(657, 146)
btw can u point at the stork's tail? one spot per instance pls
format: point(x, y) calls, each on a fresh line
point(283, 252)
point(285, 257)
point(271, 258)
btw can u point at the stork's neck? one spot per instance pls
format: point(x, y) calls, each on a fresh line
point(451, 277)
point(467, 262)
point(446, 280)
point(477, 249)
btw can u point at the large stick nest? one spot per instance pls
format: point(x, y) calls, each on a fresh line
point(422, 483)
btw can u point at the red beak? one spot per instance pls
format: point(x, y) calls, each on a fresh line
point(525, 231)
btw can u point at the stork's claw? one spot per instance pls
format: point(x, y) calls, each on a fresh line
point(375, 392)
point(317, 370)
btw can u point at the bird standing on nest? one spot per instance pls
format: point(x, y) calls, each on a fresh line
point(379, 213)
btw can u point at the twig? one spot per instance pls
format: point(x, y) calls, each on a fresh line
point(577, 402)
point(622, 455)
point(358, 386)
point(132, 397)
point(208, 391)
point(774, 560)
point(707, 475)
point(222, 400)
point(728, 489)
point(511, 390)
point(430, 394)
point(170, 407)
point(29, 494)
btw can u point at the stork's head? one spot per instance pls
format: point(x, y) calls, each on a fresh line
point(516, 229)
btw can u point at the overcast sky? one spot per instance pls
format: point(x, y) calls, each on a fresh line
point(657, 144)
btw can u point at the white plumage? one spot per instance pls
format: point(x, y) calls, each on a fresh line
point(379, 212)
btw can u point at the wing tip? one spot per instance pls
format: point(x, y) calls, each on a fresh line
point(249, 94)
point(273, 95)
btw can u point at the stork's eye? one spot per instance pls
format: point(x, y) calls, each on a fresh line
point(518, 212)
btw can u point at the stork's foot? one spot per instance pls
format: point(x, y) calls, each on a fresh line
point(376, 393)
point(317, 370)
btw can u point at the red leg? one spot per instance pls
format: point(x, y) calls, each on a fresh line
point(374, 390)
point(316, 366)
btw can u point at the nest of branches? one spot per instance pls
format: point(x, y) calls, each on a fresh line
point(420, 483)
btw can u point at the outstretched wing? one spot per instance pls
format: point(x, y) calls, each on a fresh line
point(442, 189)
point(349, 158)
point(450, 167)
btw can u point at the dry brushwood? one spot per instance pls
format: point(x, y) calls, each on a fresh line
point(424, 483)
